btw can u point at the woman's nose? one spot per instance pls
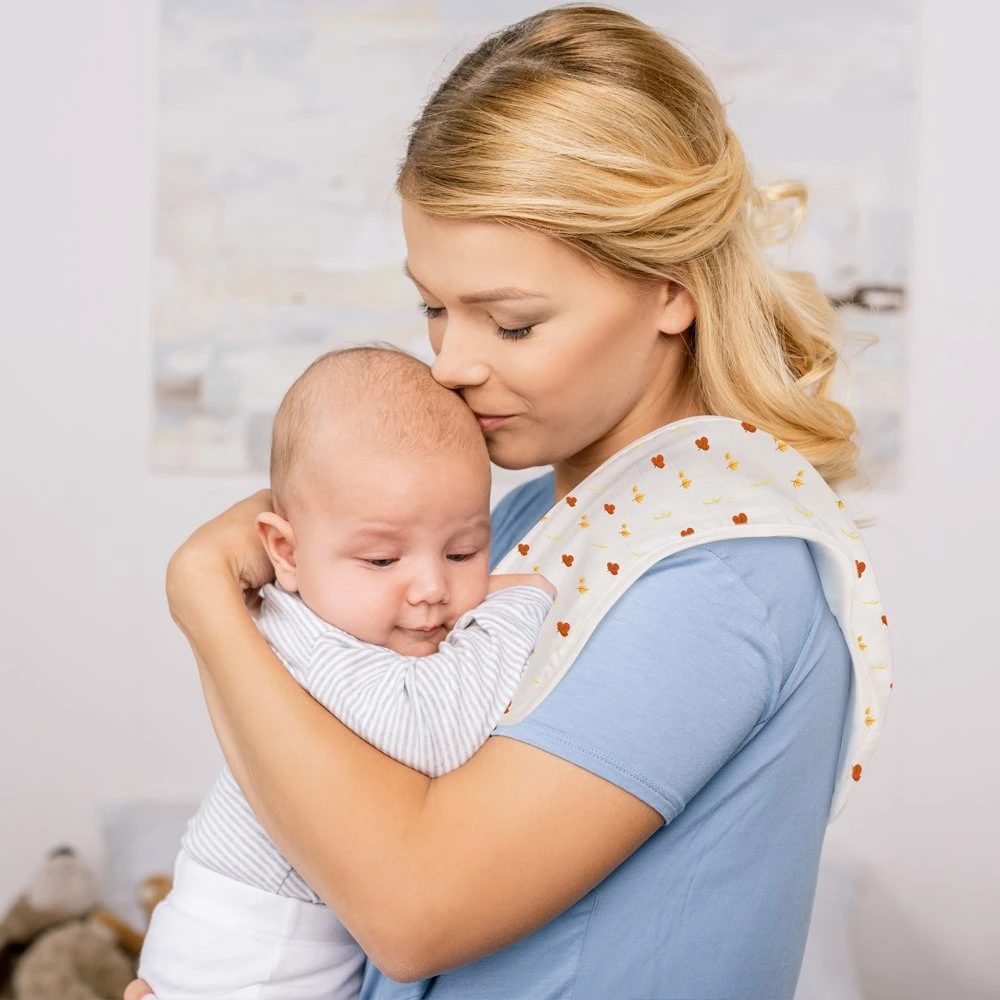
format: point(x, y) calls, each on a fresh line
point(457, 364)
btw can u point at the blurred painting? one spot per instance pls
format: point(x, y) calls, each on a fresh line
point(281, 126)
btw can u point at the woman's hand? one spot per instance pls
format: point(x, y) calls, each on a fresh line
point(500, 581)
point(226, 551)
point(138, 989)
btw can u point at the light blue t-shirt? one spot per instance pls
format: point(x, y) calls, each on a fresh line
point(715, 690)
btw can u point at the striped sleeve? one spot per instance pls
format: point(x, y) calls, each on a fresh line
point(432, 712)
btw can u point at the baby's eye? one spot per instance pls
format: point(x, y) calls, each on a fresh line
point(381, 563)
point(460, 556)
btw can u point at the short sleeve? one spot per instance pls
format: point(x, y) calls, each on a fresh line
point(678, 675)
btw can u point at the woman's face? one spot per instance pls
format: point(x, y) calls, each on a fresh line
point(563, 362)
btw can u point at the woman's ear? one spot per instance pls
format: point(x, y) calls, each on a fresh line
point(279, 541)
point(677, 308)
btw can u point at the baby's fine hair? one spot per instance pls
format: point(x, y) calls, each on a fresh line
point(586, 125)
point(371, 399)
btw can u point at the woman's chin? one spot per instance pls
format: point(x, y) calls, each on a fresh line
point(507, 457)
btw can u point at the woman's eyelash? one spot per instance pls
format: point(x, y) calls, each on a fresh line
point(433, 312)
point(517, 334)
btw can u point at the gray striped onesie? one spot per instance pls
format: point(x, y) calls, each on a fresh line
point(431, 712)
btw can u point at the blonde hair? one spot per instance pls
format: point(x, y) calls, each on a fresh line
point(376, 399)
point(585, 124)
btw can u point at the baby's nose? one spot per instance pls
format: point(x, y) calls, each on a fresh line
point(429, 586)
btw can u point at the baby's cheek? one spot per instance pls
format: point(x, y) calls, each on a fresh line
point(343, 599)
point(471, 593)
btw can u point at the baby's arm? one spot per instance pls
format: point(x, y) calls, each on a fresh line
point(434, 712)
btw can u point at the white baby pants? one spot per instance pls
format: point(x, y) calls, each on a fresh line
point(214, 938)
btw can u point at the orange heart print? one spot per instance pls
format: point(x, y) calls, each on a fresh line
point(571, 501)
point(610, 508)
point(861, 567)
point(702, 443)
point(568, 560)
point(657, 460)
point(562, 628)
point(749, 428)
point(740, 518)
point(613, 568)
point(523, 549)
point(686, 532)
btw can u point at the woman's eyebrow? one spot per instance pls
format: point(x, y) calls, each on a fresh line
point(500, 294)
point(508, 292)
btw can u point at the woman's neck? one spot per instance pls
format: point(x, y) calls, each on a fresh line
point(570, 472)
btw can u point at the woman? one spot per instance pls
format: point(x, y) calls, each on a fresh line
point(586, 239)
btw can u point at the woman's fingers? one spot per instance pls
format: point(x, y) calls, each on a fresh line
point(138, 989)
point(254, 566)
point(226, 548)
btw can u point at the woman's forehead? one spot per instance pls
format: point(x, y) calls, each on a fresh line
point(475, 261)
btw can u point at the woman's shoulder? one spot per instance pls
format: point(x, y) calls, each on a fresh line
point(770, 586)
point(768, 566)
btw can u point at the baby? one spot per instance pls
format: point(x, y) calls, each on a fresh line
point(384, 611)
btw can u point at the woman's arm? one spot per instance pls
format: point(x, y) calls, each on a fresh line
point(427, 874)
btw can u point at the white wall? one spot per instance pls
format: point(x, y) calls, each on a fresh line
point(98, 699)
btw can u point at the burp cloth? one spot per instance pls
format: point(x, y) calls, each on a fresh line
point(684, 484)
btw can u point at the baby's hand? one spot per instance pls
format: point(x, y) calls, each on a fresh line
point(502, 580)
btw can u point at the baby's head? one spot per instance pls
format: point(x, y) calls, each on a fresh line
point(381, 485)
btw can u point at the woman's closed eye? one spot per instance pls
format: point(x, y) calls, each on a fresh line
point(507, 333)
point(514, 334)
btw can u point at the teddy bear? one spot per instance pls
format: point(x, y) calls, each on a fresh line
point(58, 943)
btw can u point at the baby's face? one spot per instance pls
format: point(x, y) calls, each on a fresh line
point(394, 550)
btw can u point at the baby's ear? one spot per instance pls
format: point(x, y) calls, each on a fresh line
point(279, 540)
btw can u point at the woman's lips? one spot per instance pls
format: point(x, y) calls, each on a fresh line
point(491, 421)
